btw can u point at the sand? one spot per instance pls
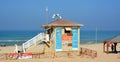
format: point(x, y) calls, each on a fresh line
point(102, 57)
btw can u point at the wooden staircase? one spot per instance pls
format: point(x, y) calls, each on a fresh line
point(33, 44)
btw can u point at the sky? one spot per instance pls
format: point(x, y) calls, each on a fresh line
point(30, 14)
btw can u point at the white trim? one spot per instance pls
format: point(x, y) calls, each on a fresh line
point(68, 28)
point(58, 49)
point(74, 48)
point(79, 38)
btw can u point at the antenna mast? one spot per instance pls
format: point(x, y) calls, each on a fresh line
point(46, 14)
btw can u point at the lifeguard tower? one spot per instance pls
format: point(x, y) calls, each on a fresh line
point(60, 36)
point(64, 35)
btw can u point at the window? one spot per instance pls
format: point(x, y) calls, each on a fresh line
point(67, 30)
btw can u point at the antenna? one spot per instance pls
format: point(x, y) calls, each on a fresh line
point(46, 14)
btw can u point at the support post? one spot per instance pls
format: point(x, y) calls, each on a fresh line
point(107, 48)
point(23, 47)
point(104, 47)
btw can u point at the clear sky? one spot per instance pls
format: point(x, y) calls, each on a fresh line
point(30, 14)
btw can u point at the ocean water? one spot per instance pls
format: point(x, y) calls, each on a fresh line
point(10, 38)
point(90, 36)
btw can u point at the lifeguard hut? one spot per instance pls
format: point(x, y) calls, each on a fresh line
point(64, 35)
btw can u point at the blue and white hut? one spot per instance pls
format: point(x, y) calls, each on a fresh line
point(64, 35)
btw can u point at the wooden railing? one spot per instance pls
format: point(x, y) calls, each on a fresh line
point(88, 52)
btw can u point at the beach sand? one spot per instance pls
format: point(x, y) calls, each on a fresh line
point(101, 57)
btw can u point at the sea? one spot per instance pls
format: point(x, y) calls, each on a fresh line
point(10, 38)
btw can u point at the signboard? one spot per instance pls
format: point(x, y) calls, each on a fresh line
point(66, 37)
point(26, 55)
point(21, 55)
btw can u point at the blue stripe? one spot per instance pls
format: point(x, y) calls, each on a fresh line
point(59, 39)
point(75, 38)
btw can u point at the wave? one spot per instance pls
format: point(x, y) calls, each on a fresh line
point(12, 40)
point(90, 42)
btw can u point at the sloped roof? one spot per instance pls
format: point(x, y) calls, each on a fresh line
point(114, 39)
point(62, 23)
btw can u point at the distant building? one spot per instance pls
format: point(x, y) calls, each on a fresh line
point(64, 35)
point(112, 42)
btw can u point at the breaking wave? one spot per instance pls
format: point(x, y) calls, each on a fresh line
point(12, 40)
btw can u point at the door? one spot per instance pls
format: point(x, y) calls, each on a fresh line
point(74, 38)
point(59, 39)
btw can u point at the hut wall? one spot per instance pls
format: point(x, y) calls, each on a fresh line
point(53, 36)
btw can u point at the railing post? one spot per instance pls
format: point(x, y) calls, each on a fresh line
point(23, 47)
point(16, 48)
point(40, 36)
point(47, 37)
point(35, 40)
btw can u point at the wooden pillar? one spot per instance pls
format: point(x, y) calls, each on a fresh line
point(104, 47)
point(38, 55)
point(115, 44)
point(54, 55)
point(107, 48)
point(6, 56)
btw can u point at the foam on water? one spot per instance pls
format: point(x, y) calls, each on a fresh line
point(12, 40)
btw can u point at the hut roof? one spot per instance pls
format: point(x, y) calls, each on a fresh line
point(61, 23)
point(114, 39)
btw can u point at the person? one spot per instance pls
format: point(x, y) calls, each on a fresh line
point(112, 47)
point(19, 55)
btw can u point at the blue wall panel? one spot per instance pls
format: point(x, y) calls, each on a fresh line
point(59, 39)
point(74, 38)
